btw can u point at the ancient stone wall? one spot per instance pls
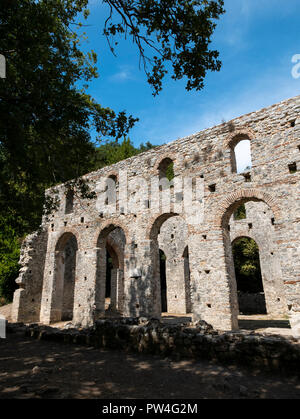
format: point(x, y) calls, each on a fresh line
point(201, 225)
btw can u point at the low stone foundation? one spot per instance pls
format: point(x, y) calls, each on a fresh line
point(198, 341)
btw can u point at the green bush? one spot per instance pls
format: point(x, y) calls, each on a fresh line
point(9, 260)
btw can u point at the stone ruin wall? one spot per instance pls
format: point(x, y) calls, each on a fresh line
point(275, 148)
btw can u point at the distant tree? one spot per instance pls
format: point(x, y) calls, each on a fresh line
point(240, 213)
point(247, 265)
point(9, 257)
point(112, 152)
point(46, 119)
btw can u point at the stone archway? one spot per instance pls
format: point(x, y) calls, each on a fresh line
point(169, 234)
point(250, 287)
point(62, 305)
point(273, 281)
point(110, 271)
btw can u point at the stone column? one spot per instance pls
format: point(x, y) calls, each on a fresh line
point(47, 316)
point(89, 300)
point(289, 252)
point(141, 280)
point(213, 285)
point(120, 290)
point(176, 287)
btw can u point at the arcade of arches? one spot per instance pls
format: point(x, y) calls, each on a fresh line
point(87, 261)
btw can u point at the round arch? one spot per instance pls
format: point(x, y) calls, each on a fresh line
point(237, 135)
point(166, 156)
point(106, 228)
point(63, 240)
point(235, 199)
point(156, 223)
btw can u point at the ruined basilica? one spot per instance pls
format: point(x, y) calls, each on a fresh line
point(88, 260)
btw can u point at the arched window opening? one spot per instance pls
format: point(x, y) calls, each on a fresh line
point(241, 159)
point(251, 297)
point(69, 202)
point(163, 282)
point(166, 169)
point(110, 271)
point(65, 270)
point(111, 191)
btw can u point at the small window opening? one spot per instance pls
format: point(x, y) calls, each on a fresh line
point(247, 177)
point(69, 202)
point(293, 123)
point(212, 187)
point(166, 169)
point(293, 168)
point(241, 156)
point(240, 213)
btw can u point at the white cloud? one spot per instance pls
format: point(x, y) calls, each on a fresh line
point(124, 74)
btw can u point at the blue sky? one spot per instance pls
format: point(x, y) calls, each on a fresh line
point(256, 40)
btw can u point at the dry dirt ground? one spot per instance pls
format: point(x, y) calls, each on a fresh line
point(38, 369)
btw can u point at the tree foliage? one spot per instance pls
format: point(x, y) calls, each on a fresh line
point(112, 152)
point(9, 257)
point(178, 32)
point(46, 119)
point(247, 265)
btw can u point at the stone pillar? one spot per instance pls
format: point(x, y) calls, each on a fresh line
point(213, 285)
point(27, 299)
point(289, 252)
point(176, 287)
point(48, 288)
point(141, 280)
point(89, 300)
point(120, 290)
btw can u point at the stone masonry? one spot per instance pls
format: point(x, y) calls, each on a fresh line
point(64, 272)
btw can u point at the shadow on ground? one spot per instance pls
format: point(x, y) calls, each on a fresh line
point(38, 369)
point(264, 324)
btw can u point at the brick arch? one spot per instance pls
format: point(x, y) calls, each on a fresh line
point(235, 199)
point(155, 224)
point(116, 253)
point(107, 227)
point(248, 235)
point(64, 238)
point(171, 155)
point(112, 173)
point(233, 138)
